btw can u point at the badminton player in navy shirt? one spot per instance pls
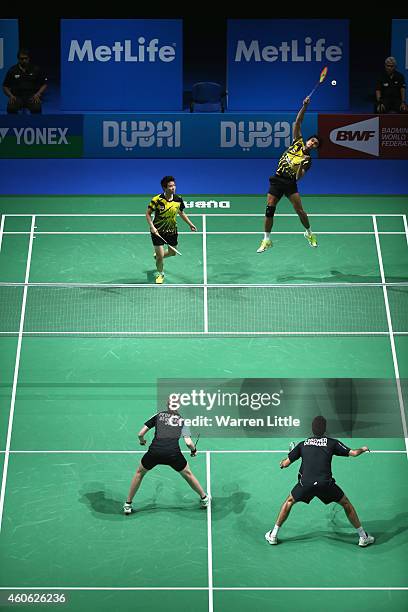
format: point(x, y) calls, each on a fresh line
point(315, 478)
point(165, 450)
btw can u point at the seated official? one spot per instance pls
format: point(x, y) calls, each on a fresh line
point(390, 90)
point(24, 85)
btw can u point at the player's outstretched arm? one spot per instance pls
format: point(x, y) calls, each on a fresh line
point(141, 435)
point(296, 130)
point(359, 451)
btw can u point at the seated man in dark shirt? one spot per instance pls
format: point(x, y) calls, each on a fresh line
point(390, 90)
point(24, 85)
point(315, 478)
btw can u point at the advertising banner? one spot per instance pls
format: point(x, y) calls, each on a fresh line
point(191, 136)
point(364, 136)
point(399, 45)
point(121, 64)
point(273, 64)
point(8, 45)
point(41, 136)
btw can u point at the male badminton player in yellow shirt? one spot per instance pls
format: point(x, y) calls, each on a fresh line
point(163, 228)
point(292, 166)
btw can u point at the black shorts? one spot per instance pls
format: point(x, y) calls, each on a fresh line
point(169, 238)
point(175, 460)
point(279, 186)
point(327, 493)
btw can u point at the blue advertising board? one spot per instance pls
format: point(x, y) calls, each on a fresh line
point(41, 136)
point(215, 135)
point(272, 64)
point(8, 45)
point(121, 64)
point(399, 45)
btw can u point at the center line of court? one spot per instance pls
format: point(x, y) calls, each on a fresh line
point(205, 279)
point(391, 336)
point(16, 371)
point(209, 535)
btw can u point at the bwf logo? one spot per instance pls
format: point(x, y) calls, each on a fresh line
point(361, 136)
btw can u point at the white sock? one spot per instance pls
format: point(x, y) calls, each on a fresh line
point(361, 532)
point(275, 531)
point(267, 235)
point(309, 231)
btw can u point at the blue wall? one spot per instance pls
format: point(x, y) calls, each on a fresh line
point(133, 176)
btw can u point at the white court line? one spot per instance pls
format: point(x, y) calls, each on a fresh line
point(135, 452)
point(201, 285)
point(406, 226)
point(61, 215)
point(199, 233)
point(205, 278)
point(3, 218)
point(391, 337)
point(209, 534)
point(154, 588)
point(202, 333)
point(16, 371)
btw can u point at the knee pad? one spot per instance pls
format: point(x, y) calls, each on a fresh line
point(270, 211)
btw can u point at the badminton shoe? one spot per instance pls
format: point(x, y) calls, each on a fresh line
point(265, 244)
point(312, 240)
point(205, 501)
point(127, 508)
point(159, 279)
point(366, 540)
point(271, 538)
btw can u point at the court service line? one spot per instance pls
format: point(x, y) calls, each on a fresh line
point(391, 337)
point(209, 535)
point(209, 214)
point(205, 278)
point(16, 372)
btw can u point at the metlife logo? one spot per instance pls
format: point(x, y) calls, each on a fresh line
point(121, 52)
point(134, 56)
point(268, 69)
point(289, 51)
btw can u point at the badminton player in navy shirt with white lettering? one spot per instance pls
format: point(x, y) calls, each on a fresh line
point(165, 450)
point(315, 478)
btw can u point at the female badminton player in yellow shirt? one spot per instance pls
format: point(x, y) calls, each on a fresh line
point(292, 165)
